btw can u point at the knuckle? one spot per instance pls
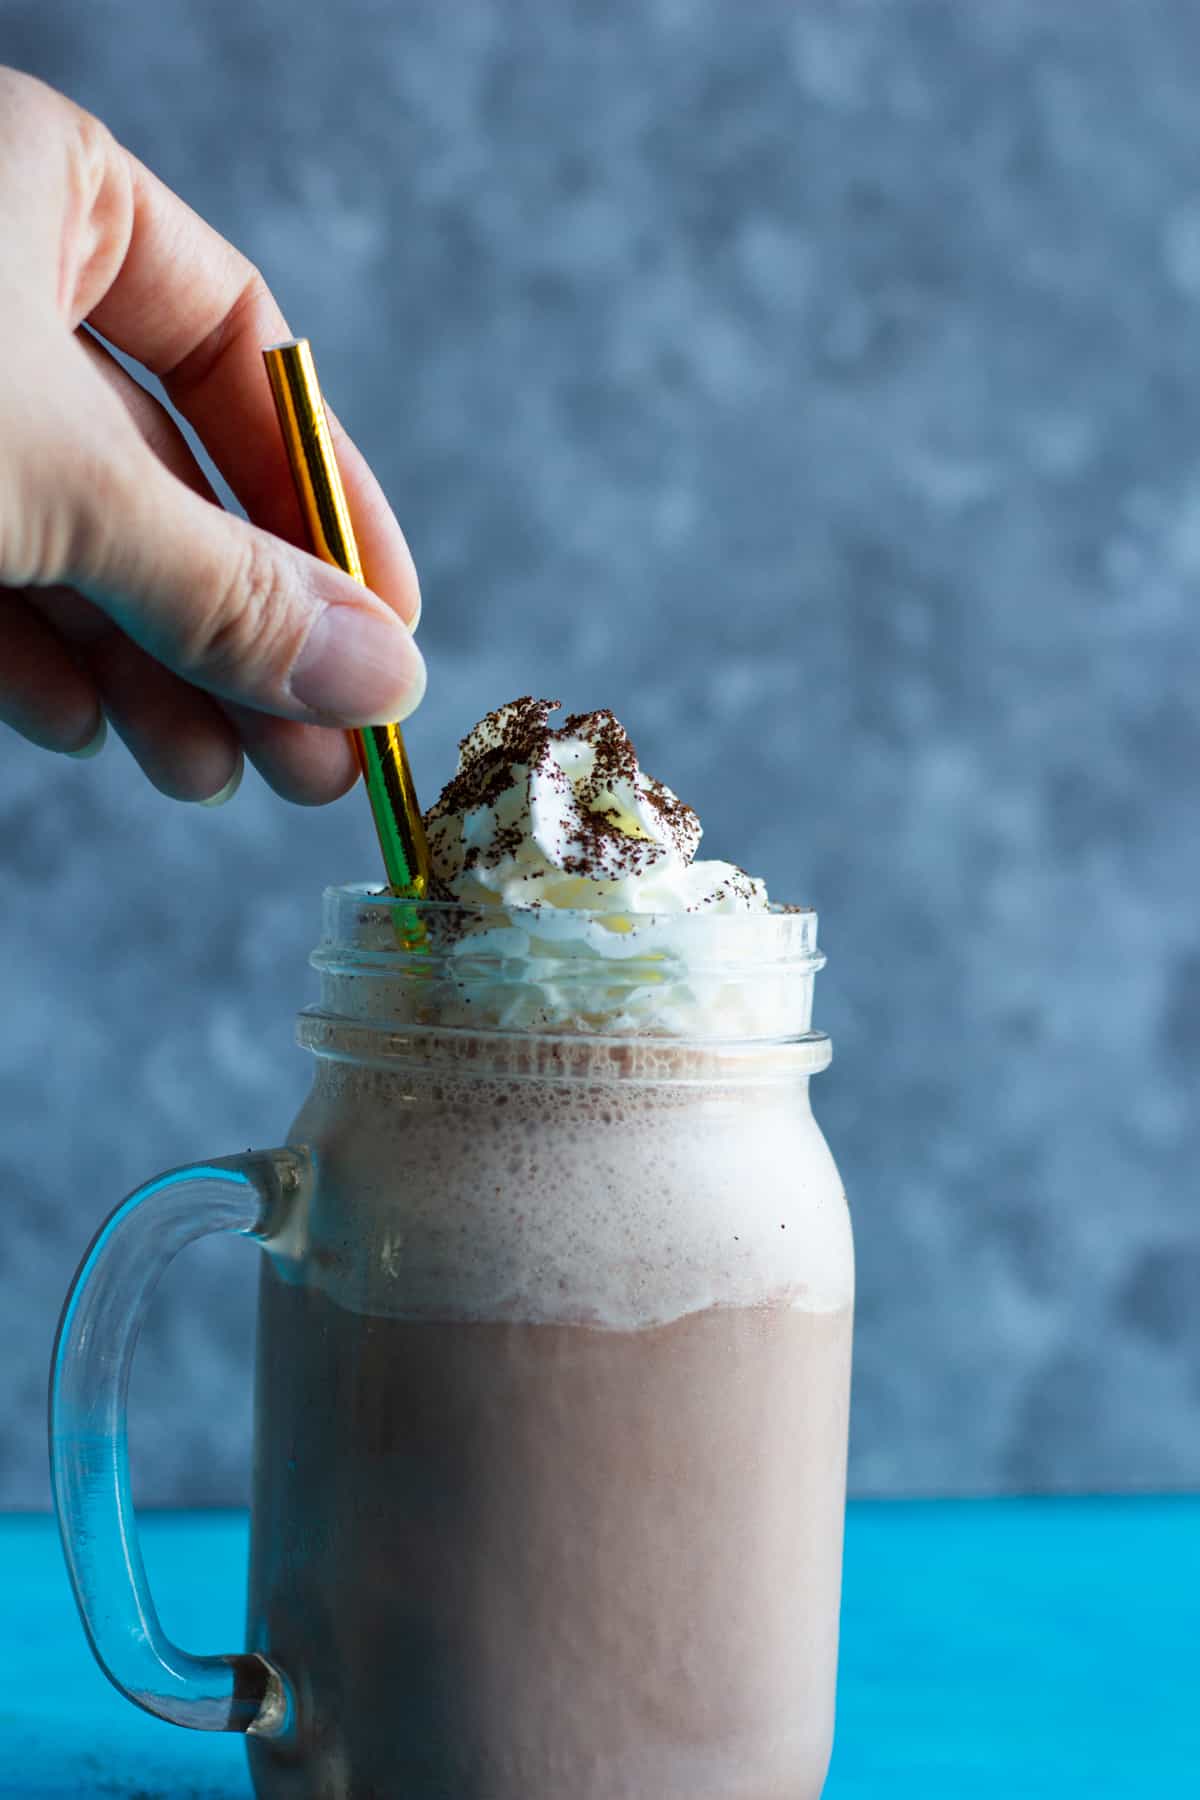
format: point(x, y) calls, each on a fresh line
point(101, 505)
point(200, 359)
point(255, 292)
point(100, 217)
point(91, 149)
point(65, 532)
point(94, 511)
point(249, 631)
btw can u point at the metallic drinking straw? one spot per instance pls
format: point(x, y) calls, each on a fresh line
point(380, 748)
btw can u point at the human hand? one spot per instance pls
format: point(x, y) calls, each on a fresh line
point(124, 590)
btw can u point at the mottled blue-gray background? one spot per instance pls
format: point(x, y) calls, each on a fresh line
point(818, 385)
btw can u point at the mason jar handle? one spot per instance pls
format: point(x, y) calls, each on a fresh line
point(89, 1451)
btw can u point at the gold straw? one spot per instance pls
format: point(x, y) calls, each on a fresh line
point(380, 748)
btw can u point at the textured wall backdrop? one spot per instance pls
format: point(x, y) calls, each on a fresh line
point(818, 385)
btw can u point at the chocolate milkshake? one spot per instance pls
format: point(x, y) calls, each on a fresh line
point(554, 1353)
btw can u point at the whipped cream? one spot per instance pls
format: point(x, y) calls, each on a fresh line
point(545, 817)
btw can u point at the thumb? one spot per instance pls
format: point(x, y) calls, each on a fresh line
point(236, 610)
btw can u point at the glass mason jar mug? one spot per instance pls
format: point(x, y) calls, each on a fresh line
point(552, 1373)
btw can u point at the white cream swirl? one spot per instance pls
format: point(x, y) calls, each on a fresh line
point(544, 817)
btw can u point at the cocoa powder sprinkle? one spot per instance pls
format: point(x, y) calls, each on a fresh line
point(517, 739)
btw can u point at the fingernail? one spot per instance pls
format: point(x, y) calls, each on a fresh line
point(416, 618)
point(95, 744)
point(230, 789)
point(358, 668)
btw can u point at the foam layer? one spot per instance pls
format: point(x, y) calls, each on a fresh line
point(619, 1200)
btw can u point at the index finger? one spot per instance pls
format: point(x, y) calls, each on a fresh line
point(197, 313)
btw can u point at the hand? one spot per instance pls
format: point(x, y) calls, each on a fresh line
point(125, 589)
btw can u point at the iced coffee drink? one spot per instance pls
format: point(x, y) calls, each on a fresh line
point(554, 1354)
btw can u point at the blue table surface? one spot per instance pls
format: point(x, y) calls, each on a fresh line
point(1015, 1648)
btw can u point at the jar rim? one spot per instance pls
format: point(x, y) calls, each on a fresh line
point(370, 900)
point(718, 976)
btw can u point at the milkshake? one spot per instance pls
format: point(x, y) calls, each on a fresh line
point(554, 1352)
